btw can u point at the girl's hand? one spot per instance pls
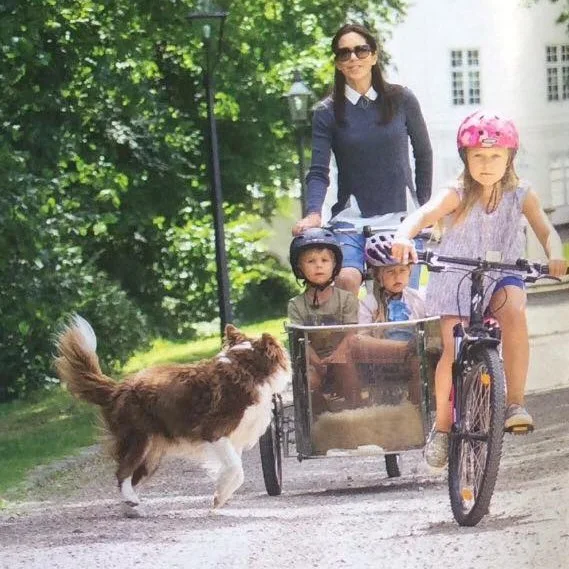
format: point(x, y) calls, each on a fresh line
point(403, 250)
point(557, 267)
point(311, 220)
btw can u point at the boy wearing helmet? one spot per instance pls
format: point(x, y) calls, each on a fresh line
point(482, 213)
point(316, 258)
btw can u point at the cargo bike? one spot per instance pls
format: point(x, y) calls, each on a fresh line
point(394, 407)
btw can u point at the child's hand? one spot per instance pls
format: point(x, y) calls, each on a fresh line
point(403, 250)
point(557, 267)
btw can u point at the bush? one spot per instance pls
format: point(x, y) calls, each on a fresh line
point(267, 298)
point(35, 297)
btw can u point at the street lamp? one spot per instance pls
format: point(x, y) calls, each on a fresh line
point(212, 20)
point(299, 97)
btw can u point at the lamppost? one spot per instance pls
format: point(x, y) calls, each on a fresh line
point(212, 20)
point(299, 97)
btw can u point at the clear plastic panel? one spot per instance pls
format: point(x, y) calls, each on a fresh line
point(366, 386)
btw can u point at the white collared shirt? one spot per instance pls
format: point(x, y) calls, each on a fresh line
point(353, 96)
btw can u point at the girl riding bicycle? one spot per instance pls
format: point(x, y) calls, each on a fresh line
point(482, 215)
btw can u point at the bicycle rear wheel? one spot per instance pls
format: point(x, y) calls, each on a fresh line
point(477, 435)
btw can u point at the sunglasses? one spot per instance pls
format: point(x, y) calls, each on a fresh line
point(345, 53)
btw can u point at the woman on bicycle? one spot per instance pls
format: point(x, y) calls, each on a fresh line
point(482, 214)
point(367, 123)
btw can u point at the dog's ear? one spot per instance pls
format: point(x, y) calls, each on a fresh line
point(269, 345)
point(233, 335)
point(274, 351)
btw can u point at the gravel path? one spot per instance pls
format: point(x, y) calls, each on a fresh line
point(340, 512)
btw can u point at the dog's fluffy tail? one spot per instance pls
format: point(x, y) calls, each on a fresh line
point(77, 363)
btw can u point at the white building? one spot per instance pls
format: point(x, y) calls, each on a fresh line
point(507, 55)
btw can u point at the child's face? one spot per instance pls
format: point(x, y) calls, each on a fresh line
point(487, 165)
point(393, 278)
point(317, 265)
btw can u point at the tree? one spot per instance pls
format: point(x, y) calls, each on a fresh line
point(102, 160)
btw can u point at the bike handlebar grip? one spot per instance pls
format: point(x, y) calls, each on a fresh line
point(367, 231)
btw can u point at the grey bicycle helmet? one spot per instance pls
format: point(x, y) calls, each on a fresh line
point(314, 237)
point(378, 249)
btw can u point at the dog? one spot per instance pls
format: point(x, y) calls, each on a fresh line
point(210, 411)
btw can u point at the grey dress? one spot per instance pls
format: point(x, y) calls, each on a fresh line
point(480, 232)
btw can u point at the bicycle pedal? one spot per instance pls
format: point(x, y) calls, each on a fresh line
point(519, 429)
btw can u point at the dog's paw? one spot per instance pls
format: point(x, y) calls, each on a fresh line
point(131, 511)
point(218, 501)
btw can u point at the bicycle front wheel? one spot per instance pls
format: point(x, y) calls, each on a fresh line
point(477, 435)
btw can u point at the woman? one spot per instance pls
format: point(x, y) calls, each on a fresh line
point(367, 123)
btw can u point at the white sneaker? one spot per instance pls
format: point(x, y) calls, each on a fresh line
point(436, 449)
point(518, 420)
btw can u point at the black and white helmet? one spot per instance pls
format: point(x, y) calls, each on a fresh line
point(314, 237)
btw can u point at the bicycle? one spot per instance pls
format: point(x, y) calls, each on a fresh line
point(478, 391)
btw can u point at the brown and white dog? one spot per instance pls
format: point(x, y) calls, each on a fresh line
point(211, 410)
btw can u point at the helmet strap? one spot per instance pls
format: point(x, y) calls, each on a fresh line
point(317, 289)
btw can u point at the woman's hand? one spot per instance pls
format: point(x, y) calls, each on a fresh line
point(403, 250)
point(557, 267)
point(311, 220)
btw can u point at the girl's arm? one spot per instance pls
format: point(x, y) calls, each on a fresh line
point(441, 204)
point(546, 234)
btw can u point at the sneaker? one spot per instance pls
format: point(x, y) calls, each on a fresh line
point(436, 449)
point(518, 419)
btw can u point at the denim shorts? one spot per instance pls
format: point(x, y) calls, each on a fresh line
point(352, 245)
point(353, 251)
point(510, 280)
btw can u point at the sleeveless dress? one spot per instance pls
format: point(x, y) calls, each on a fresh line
point(480, 232)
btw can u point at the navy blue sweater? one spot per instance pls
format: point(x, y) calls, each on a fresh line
point(373, 159)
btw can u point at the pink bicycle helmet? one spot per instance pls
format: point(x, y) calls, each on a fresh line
point(378, 250)
point(484, 129)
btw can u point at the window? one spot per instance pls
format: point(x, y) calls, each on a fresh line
point(559, 180)
point(465, 76)
point(557, 72)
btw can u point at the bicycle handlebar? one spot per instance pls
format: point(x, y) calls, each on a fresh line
point(369, 230)
point(433, 262)
point(431, 259)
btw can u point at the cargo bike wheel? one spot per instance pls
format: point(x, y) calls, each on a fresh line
point(393, 465)
point(476, 438)
point(271, 447)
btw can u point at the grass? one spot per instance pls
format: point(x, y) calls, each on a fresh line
point(37, 432)
point(163, 351)
point(53, 425)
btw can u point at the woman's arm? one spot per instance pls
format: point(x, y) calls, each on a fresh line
point(421, 145)
point(318, 178)
point(546, 234)
point(440, 205)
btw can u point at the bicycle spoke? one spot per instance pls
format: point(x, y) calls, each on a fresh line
point(473, 452)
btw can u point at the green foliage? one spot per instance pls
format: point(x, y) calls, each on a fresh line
point(267, 298)
point(105, 207)
point(37, 431)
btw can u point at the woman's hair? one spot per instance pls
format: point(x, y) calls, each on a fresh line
point(389, 94)
point(472, 190)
